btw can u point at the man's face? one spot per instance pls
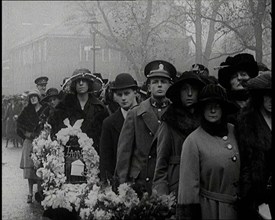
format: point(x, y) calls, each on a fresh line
point(126, 98)
point(42, 88)
point(158, 86)
point(82, 86)
point(238, 79)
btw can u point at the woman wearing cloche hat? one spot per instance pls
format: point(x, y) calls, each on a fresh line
point(253, 132)
point(28, 128)
point(209, 164)
point(81, 104)
point(180, 119)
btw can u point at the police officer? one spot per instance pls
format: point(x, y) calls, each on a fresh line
point(135, 159)
point(41, 84)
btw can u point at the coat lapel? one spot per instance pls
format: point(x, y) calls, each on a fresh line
point(148, 115)
point(118, 120)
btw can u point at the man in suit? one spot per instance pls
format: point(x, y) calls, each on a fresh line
point(125, 94)
point(135, 158)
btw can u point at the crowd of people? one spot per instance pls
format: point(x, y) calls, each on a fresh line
point(205, 139)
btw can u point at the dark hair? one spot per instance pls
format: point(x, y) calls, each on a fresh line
point(73, 85)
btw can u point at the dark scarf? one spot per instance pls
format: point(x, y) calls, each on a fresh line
point(238, 95)
point(181, 119)
point(215, 129)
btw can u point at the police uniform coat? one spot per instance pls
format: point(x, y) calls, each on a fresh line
point(111, 129)
point(209, 173)
point(135, 158)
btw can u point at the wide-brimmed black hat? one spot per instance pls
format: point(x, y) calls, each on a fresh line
point(215, 92)
point(160, 68)
point(51, 92)
point(42, 80)
point(240, 62)
point(189, 77)
point(260, 84)
point(124, 81)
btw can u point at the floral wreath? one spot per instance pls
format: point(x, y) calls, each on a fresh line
point(90, 200)
point(48, 157)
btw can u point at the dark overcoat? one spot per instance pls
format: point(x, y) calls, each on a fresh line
point(135, 158)
point(94, 113)
point(254, 140)
point(177, 124)
point(111, 129)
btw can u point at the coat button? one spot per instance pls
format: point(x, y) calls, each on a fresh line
point(159, 121)
point(234, 158)
point(151, 134)
point(149, 156)
point(224, 138)
point(229, 146)
point(147, 179)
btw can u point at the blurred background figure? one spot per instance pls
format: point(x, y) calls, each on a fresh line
point(254, 135)
point(28, 128)
point(41, 84)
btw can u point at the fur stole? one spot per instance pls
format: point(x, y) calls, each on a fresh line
point(181, 119)
point(29, 119)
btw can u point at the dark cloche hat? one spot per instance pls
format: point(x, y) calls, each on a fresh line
point(216, 92)
point(160, 68)
point(187, 76)
point(260, 84)
point(124, 81)
point(51, 92)
point(41, 80)
point(242, 61)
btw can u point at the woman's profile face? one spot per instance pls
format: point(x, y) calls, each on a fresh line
point(267, 103)
point(213, 111)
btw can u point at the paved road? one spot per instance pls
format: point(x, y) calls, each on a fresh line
point(15, 188)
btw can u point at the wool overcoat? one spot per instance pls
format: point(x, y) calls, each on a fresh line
point(135, 158)
point(177, 124)
point(111, 129)
point(209, 173)
point(94, 113)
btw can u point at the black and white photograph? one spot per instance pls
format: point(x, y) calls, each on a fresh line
point(137, 109)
